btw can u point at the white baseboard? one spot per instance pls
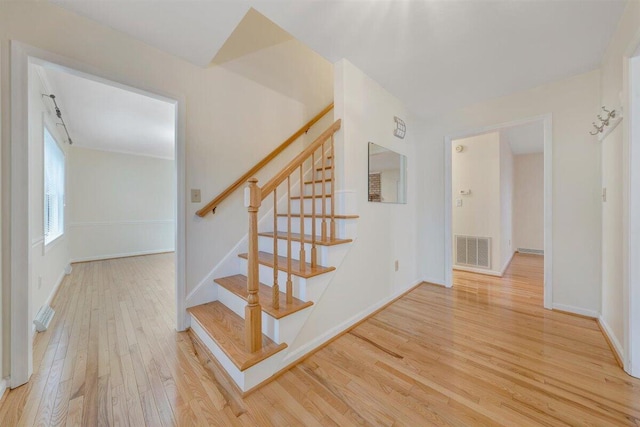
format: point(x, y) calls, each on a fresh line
point(478, 270)
point(612, 338)
point(576, 310)
point(337, 330)
point(121, 255)
point(438, 282)
point(4, 385)
point(506, 264)
point(54, 291)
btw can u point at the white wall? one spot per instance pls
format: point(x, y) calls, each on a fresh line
point(292, 69)
point(232, 122)
point(528, 201)
point(506, 203)
point(616, 177)
point(47, 264)
point(477, 168)
point(576, 182)
point(119, 204)
point(366, 278)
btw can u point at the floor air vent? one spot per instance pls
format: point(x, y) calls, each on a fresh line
point(473, 251)
point(43, 318)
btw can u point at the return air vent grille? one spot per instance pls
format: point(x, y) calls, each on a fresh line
point(473, 251)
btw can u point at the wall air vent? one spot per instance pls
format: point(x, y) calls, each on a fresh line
point(473, 251)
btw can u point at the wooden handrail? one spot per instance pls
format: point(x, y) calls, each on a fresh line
point(211, 206)
point(273, 183)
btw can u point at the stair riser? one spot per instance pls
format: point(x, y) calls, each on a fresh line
point(295, 206)
point(304, 289)
point(308, 188)
point(328, 173)
point(265, 244)
point(217, 352)
point(248, 378)
point(326, 255)
point(301, 286)
point(279, 330)
point(345, 228)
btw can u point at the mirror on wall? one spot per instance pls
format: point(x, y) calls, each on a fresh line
point(387, 175)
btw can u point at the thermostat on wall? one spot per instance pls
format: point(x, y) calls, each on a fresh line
point(465, 192)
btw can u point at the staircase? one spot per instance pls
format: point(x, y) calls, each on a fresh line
point(289, 263)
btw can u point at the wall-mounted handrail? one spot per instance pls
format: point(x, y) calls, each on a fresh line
point(211, 206)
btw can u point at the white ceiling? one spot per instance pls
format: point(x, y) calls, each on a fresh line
point(434, 55)
point(525, 139)
point(104, 117)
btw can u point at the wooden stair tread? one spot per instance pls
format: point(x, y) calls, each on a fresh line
point(237, 284)
point(307, 238)
point(266, 258)
point(310, 196)
point(320, 216)
point(319, 168)
point(227, 329)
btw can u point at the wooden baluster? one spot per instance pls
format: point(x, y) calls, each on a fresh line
point(253, 312)
point(314, 253)
point(275, 295)
point(324, 199)
point(333, 194)
point(289, 292)
point(303, 257)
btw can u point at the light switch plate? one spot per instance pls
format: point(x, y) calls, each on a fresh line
point(195, 195)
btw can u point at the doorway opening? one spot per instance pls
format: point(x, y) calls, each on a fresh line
point(99, 166)
point(498, 206)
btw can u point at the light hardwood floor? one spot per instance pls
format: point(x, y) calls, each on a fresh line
point(482, 353)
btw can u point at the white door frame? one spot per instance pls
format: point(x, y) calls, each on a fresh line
point(631, 210)
point(548, 193)
point(19, 258)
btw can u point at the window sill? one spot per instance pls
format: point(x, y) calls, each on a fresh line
point(50, 245)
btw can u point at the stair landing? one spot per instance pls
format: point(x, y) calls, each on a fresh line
point(226, 329)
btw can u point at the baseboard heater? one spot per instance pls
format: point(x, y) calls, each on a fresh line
point(531, 251)
point(43, 318)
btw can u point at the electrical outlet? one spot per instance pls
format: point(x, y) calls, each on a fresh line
point(195, 195)
point(397, 265)
point(458, 203)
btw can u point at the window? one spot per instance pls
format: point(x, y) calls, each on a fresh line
point(53, 189)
